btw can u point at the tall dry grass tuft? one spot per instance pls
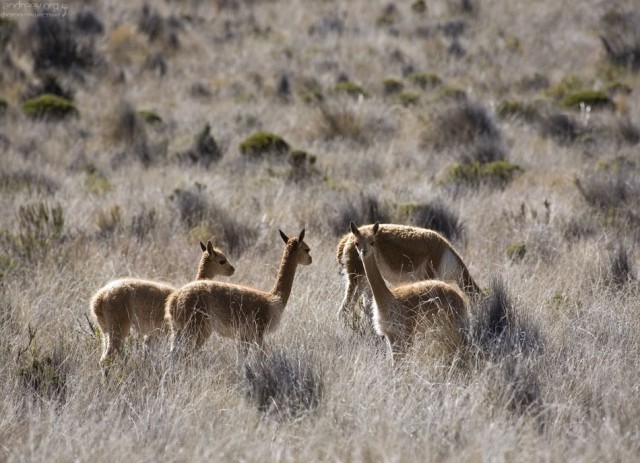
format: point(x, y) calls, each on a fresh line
point(283, 385)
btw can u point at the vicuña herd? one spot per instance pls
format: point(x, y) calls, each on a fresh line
point(430, 284)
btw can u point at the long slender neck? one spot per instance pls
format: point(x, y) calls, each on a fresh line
point(381, 292)
point(204, 272)
point(284, 280)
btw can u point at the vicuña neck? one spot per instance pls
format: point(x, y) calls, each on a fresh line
point(203, 271)
point(378, 286)
point(284, 280)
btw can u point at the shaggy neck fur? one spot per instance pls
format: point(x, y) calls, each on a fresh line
point(204, 271)
point(381, 292)
point(284, 281)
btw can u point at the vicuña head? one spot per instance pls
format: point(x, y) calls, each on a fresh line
point(140, 303)
point(403, 254)
point(399, 312)
point(198, 309)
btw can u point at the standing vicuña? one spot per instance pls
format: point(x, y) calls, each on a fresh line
point(399, 312)
point(132, 301)
point(202, 307)
point(403, 254)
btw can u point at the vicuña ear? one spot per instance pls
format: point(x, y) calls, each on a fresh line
point(204, 248)
point(285, 238)
point(301, 237)
point(210, 248)
point(354, 229)
point(376, 226)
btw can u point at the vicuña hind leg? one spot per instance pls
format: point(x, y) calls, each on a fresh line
point(354, 291)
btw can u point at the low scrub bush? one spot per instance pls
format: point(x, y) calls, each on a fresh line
point(592, 98)
point(494, 173)
point(303, 166)
point(434, 216)
point(425, 80)
point(42, 375)
point(350, 88)
point(205, 149)
point(621, 271)
point(262, 144)
point(56, 43)
point(283, 386)
point(462, 124)
point(615, 194)
point(498, 329)
point(49, 106)
point(362, 210)
point(560, 127)
point(196, 211)
point(40, 226)
point(621, 37)
point(391, 86)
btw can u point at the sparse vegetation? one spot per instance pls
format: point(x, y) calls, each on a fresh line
point(350, 88)
point(262, 144)
point(498, 173)
point(478, 144)
point(48, 106)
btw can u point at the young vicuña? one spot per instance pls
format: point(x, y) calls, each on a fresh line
point(202, 307)
point(398, 313)
point(132, 301)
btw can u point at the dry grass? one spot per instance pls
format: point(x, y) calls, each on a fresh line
point(551, 374)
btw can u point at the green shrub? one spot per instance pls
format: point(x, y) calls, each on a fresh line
point(150, 117)
point(408, 98)
point(312, 96)
point(261, 144)
point(48, 106)
point(3, 106)
point(425, 80)
point(508, 109)
point(498, 172)
point(350, 88)
point(97, 183)
point(302, 165)
point(392, 86)
point(593, 98)
point(419, 6)
point(516, 251)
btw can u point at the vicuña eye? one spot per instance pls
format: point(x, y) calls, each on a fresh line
point(222, 262)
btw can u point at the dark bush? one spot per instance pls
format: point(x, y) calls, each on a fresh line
point(49, 84)
point(463, 124)
point(196, 210)
point(621, 37)
point(621, 270)
point(283, 386)
point(560, 127)
point(88, 23)
point(615, 193)
point(56, 44)
point(498, 329)
point(205, 149)
point(434, 216)
point(361, 210)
